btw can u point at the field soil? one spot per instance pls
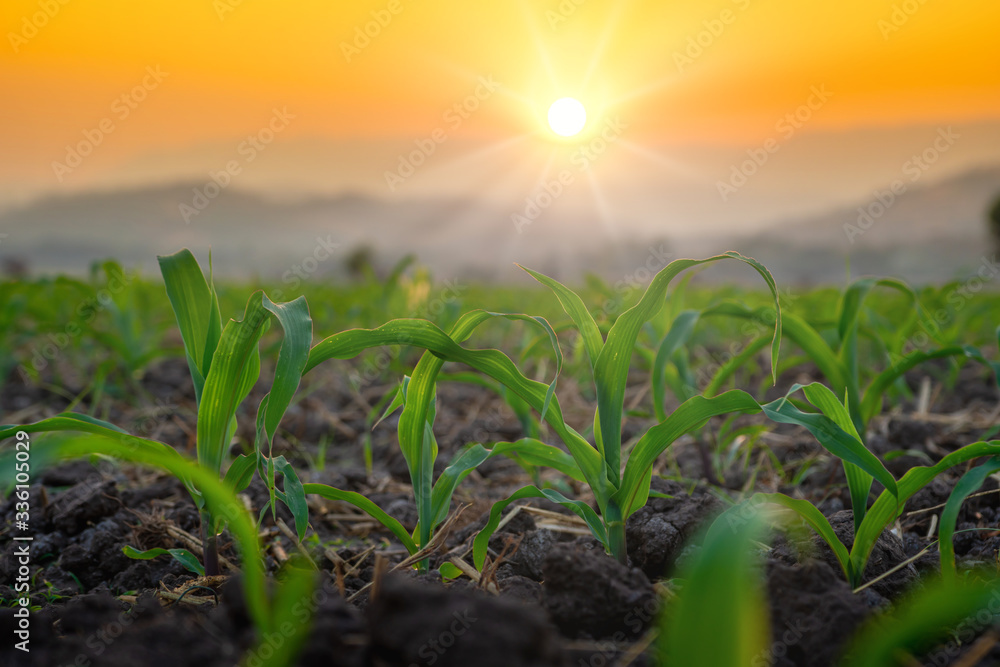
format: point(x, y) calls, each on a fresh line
point(553, 597)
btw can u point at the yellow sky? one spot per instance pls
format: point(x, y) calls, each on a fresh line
point(228, 63)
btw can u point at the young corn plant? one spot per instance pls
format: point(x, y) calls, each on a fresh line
point(835, 354)
point(939, 612)
point(133, 333)
point(269, 610)
point(621, 490)
point(886, 508)
point(224, 364)
point(966, 486)
point(719, 616)
point(416, 395)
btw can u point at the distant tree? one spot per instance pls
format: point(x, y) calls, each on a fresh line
point(994, 222)
point(359, 262)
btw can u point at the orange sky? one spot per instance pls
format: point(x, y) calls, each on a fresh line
point(230, 62)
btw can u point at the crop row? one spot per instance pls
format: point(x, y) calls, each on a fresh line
point(860, 354)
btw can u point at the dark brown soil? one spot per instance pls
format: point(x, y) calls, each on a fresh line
point(590, 595)
point(420, 623)
point(561, 600)
point(813, 614)
point(657, 533)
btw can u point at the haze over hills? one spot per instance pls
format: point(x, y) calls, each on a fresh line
point(693, 138)
point(643, 182)
point(929, 232)
point(926, 233)
point(458, 212)
point(251, 234)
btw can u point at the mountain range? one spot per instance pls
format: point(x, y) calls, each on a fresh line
point(922, 231)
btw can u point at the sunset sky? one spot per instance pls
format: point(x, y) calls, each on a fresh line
point(685, 73)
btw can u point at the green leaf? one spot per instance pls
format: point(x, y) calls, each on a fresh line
point(886, 507)
point(293, 495)
point(639, 499)
point(536, 453)
point(449, 571)
point(678, 335)
point(219, 499)
point(833, 438)
point(71, 421)
point(196, 308)
point(731, 365)
point(182, 556)
point(847, 329)
point(297, 326)
point(492, 363)
point(240, 473)
point(828, 403)
point(611, 369)
point(689, 415)
point(366, 506)
point(573, 305)
point(461, 465)
point(921, 622)
point(808, 512)
point(859, 482)
point(235, 369)
point(525, 450)
point(580, 508)
point(396, 402)
point(719, 618)
point(64, 421)
point(969, 484)
point(294, 606)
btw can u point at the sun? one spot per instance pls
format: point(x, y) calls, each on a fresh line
point(567, 116)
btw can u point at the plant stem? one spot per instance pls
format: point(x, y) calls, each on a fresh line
point(708, 469)
point(616, 541)
point(210, 556)
point(616, 533)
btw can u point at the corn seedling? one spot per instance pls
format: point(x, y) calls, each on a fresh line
point(967, 485)
point(939, 611)
point(269, 612)
point(621, 491)
point(720, 595)
point(883, 512)
point(417, 398)
point(836, 355)
point(225, 364)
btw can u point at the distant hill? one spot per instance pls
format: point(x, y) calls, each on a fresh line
point(952, 209)
point(251, 234)
point(930, 232)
